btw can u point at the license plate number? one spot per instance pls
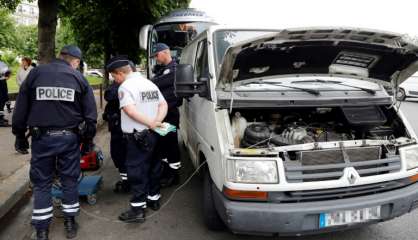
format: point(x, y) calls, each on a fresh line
point(348, 217)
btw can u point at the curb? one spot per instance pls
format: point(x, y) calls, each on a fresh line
point(13, 189)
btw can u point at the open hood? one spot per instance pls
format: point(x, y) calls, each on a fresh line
point(375, 56)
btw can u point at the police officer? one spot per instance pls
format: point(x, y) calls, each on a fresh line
point(53, 102)
point(117, 141)
point(168, 145)
point(143, 108)
point(4, 97)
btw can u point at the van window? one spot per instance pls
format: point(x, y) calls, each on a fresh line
point(201, 64)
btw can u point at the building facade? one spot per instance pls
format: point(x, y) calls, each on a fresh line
point(27, 13)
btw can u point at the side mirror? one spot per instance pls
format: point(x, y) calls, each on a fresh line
point(143, 36)
point(186, 87)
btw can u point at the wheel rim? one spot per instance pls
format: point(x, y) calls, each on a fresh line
point(400, 94)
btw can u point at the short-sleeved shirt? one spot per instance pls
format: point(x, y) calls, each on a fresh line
point(145, 95)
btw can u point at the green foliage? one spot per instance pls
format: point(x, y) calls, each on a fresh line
point(9, 57)
point(27, 41)
point(7, 30)
point(9, 4)
point(110, 27)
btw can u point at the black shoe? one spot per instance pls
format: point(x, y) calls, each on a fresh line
point(71, 227)
point(171, 179)
point(42, 234)
point(154, 205)
point(122, 186)
point(133, 216)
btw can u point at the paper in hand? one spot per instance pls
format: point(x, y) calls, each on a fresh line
point(165, 128)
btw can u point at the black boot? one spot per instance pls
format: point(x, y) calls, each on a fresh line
point(122, 186)
point(42, 234)
point(171, 179)
point(71, 227)
point(154, 205)
point(133, 216)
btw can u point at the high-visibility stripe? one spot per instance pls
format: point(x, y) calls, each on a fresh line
point(124, 178)
point(42, 210)
point(164, 160)
point(71, 206)
point(140, 204)
point(123, 174)
point(72, 210)
point(42, 217)
point(154, 198)
point(176, 165)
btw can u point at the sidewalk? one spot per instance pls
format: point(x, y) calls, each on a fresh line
point(14, 170)
point(14, 167)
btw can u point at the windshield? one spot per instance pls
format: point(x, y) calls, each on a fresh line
point(225, 38)
point(178, 35)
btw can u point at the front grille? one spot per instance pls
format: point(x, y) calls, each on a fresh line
point(413, 92)
point(323, 165)
point(337, 193)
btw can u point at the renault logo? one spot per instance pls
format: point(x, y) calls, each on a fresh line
point(352, 175)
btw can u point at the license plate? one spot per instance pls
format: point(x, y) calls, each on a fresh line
point(348, 217)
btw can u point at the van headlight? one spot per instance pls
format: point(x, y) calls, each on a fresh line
point(252, 171)
point(410, 156)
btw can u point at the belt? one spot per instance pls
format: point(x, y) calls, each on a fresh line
point(53, 131)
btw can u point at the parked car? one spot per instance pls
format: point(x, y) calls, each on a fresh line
point(295, 129)
point(95, 73)
point(409, 88)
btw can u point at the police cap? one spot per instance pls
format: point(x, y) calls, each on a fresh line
point(71, 50)
point(117, 62)
point(158, 48)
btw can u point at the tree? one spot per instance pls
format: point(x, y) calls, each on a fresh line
point(47, 26)
point(111, 27)
point(7, 30)
point(27, 41)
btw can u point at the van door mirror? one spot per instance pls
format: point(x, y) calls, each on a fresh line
point(185, 85)
point(143, 37)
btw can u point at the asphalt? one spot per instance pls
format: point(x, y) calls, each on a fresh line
point(181, 217)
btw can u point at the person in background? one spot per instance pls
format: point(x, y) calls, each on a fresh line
point(4, 94)
point(117, 142)
point(168, 147)
point(24, 69)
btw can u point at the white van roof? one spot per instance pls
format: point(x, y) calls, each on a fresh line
point(186, 15)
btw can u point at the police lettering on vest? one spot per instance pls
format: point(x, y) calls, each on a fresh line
point(55, 94)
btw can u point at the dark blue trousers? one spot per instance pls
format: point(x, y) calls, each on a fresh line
point(144, 170)
point(54, 153)
point(118, 152)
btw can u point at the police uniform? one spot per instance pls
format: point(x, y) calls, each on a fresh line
point(112, 115)
point(168, 145)
point(143, 166)
point(52, 102)
point(4, 97)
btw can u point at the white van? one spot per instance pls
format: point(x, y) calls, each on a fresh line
point(298, 133)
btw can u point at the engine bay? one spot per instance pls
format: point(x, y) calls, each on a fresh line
point(263, 128)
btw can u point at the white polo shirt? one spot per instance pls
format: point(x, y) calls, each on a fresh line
point(144, 94)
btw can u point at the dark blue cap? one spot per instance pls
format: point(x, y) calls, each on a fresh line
point(71, 50)
point(117, 62)
point(158, 48)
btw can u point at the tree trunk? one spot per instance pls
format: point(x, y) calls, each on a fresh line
point(47, 25)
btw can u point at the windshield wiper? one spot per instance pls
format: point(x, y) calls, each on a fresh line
point(368, 90)
point(308, 90)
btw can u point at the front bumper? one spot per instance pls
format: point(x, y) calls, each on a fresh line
point(303, 218)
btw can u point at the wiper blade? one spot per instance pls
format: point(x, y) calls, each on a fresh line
point(308, 90)
point(368, 90)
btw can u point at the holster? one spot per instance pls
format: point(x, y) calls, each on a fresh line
point(35, 132)
point(142, 139)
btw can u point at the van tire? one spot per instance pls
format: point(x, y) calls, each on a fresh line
point(210, 214)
